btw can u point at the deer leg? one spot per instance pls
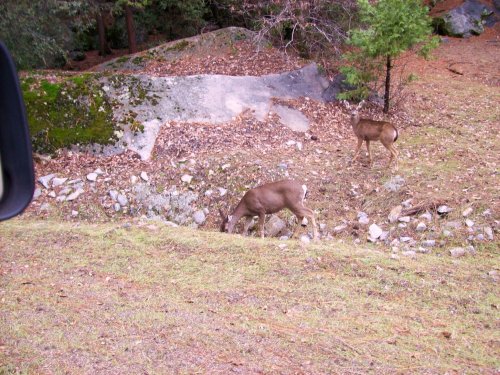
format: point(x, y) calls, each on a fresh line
point(369, 152)
point(300, 212)
point(248, 222)
point(297, 227)
point(358, 148)
point(262, 219)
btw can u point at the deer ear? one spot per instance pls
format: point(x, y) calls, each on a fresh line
point(346, 104)
point(360, 104)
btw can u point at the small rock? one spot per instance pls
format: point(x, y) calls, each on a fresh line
point(290, 143)
point(225, 166)
point(429, 243)
point(117, 207)
point(402, 225)
point(299, 146)
point(486, 212)
point(409, 253)
point(384, 236)
point(282, 246)
point(467, 211)
point(199, 217)
point(322, 226)
point(427, 216)
point(423, 250)
point(222, 191)
point(421, 227)
point(443, 210)
point(75, 194)
point(480, 237)
point(46, 179)
point(340, 228)
point(404, 219)
point(469, 223)
point(394, 214)
point(134, 179)
point(471, 249)
point(187, 178)
point(74, 213)
point(144, 176)
point(489, 233)
point(57, 181)
point(52, 194)
point(37, 193)
point(209, 193)
point(375, 232)
point(283, 166)
point(284, 238)
point(457, 252)
point(305, 239)
point(113, 194)
point(122, 200)
point(99, 171)
point(92, 177)
point(395, 256)
point(274, 226)
point(405, 239)
point(363, 218)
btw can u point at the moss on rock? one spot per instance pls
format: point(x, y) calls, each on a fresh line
point(64, 111)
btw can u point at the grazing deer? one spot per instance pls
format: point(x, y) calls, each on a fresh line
point(269, 199)
point(371, 130)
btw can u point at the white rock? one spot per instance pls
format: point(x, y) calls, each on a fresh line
point(52, 194)
point(340, 228)
point(421, 227)
point(99, 171)
point(282, 246)
point(46, 179)
point(37, 193)
point(394, 214)
point(375, 231)
point(322, 226)
point(489, 233)
point(427, 216)
point(486, 212)
point(145, 176)
point(74, 213)
point(57, 181)
point(122, 200)
point(113, 194)
point(409, 253)
point(187, 178)
point(458, 252)
point(117, 207)
point(402, 225)
point(405, 239)
point(290, 143)
point(447, 233)
point(75, 194)
point(444, 209)
point(384, 236)
point(423, 250)
point(407, 203)
point(429, 243)
point(209, 193)
point(134, 179)
point(299, 146)
point(199, 217)
point(92, 176)
point(225, 166)
point(469, 223)
point(404, 219)
point(467, 211)
point(305, 239)
point(222, 191)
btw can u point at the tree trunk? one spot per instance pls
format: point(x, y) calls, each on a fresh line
point(132, 44)
point(387, 85)
point(103, 44)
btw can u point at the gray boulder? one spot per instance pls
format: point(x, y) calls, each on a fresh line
point(275, 226)
point(466, 20)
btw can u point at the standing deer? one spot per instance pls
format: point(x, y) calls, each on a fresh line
point(371, 130)
point(269, 199)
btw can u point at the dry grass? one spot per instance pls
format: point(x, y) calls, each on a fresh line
point(110, 299)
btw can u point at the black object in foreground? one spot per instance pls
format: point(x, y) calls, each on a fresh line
point(16, 162)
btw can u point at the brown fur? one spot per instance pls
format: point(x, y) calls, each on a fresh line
point(269, 199)
point(368, 130)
